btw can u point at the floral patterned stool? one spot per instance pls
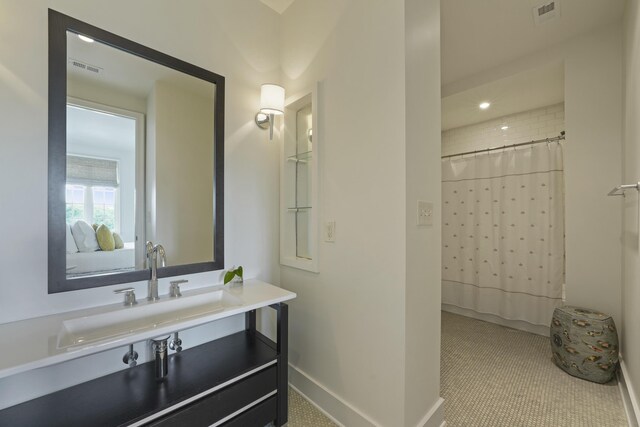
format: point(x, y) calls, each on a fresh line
point(584, 343)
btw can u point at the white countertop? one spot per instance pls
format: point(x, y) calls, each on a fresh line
point(34, 342)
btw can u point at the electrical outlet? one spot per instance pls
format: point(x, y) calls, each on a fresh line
point(425, 213)
point(330, 231)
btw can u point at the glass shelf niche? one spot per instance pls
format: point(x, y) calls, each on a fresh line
point(299, 175)
point(301, 157)
point(302, 226)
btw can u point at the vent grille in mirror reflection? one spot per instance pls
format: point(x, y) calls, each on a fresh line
point(83, 66)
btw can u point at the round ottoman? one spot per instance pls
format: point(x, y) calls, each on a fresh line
point(584, 343)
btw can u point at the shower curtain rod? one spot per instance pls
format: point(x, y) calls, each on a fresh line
point(561, 137)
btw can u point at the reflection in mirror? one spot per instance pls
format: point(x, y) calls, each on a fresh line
point(140, 161)
point(100, 190)
point(136, 154)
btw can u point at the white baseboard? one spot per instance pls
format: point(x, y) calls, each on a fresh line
point(344, 413)
point(629, 397)
point(308, 399)
point(435, 416)
point(337, 409)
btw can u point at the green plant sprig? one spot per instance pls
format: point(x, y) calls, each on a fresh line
point(229, 275)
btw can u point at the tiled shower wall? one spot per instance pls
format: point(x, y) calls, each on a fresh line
point(546, 122)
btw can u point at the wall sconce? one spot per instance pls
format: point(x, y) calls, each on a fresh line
point(271, 105)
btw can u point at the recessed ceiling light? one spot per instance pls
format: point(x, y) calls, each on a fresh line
point(85, 38)
point(484, 105)
point(505, 127)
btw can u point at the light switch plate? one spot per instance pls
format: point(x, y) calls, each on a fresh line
point(425, 213)
point(330, 231)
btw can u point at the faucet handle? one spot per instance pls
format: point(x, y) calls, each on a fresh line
point(129, 296)
point(174, 289)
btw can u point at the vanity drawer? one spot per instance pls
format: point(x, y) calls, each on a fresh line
point(258, 416)
point(212, 408)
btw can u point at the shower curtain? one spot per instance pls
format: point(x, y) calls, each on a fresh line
point(503, 232)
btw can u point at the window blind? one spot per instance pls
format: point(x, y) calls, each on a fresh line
point(91, 171)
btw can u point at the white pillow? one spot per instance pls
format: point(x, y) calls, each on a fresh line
point(72, 248)
point(85, 236)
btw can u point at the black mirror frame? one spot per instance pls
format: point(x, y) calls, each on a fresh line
point(59, 24)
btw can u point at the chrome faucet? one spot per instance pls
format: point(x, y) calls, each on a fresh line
point(153, 252)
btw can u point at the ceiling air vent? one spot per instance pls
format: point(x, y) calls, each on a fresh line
point(86, 67)
point(546, 12)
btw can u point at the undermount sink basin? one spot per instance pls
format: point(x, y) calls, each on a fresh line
point(109, 326)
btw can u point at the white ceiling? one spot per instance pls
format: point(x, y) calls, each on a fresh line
point(521, 92)
point(480, 35)
point(278, 5)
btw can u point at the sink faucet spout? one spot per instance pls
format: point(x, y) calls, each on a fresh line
point(153, 252)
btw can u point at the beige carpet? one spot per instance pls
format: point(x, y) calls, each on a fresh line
point(495, 376)
point(304, 414)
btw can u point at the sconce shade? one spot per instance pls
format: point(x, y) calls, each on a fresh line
point(272, 99)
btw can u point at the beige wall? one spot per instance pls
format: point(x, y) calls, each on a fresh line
point(180, 173)
point(349, 330)
point(102, 94)
point(593, 72)
point(364, 345)
point(631, 224)
point(423, 244)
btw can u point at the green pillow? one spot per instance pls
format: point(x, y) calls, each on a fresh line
point(118, 241)
point(105, 238)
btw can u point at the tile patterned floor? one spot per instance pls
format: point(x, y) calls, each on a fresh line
point(304, 414)
point(492, 376)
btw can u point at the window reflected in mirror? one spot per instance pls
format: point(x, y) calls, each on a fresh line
point(101, 189)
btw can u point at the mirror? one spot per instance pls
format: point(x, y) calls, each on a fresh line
point(135, 155)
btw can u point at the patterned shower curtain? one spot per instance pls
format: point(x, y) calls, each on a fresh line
point(503, 232)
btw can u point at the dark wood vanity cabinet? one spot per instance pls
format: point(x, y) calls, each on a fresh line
point(215, 407)
point(237, 380)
